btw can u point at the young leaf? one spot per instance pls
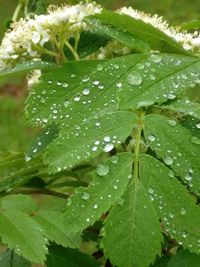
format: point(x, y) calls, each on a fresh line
point(109, 182)
point(62, 257)
point(139, 29)
point(21, 233)
point(174, 144)
point(134, 227)
point(9, 258)
point(184, 258)
point(55, 229)
point(173, 203)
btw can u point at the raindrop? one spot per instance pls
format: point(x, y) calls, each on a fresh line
point(171, 122)
point(151, 138)
point(198, 125)
point(76, 98)
point(120, 201)
point(183, 211)
point(66, 103)
point(102, 169)
point(65, 85)
point(85, 196)
point(134, 78)
point(95, 206)
point(94, 148)
point(188, 177)
point(99, 67)
point(114, 159)
point(171, 215)
point(96, 82)
point(108, 147)
point(168, 160)
point(97, 124)
point(155, 58)
point(150, 190)
point(86, 91)
point(195, 140)
point(106, 139)
point(119, 85)
point(85, 79)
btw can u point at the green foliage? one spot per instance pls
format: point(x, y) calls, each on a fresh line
point(119, 144)
point(61, 257)
point(9, 258)
point(133, 233)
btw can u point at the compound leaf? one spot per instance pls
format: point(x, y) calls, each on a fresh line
point(174, 144)
point(109, 182)
point(55, 229)
point(135, 228)
point(173, 203)
point(21, 233)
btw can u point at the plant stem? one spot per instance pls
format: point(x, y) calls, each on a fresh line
point(72, 50)
point(17, 11)
point(137, 145)
point(39, 191)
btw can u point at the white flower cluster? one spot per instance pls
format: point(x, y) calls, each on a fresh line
point(189, 41)
point(27, 38)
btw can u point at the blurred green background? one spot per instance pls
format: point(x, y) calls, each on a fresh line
point(13, 134)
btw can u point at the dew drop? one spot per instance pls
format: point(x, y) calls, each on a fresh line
point(151, 138)
point(86, 91)
point(171, 122)
point(106, 139)
point(77, 98)
point(198, 125)
point(85, 196)
point(134, 78)
point(65, 85)
point(195, 140)
point(102, 169)
point(114, 159)
point(95, 206)
point(150, 190)
point(168, 160)
point(155, 58)
point(119, 85)
point(108, 147)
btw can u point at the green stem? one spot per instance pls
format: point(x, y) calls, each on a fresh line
point(137, 146)
point(17, 11)
point(72, 50)
point(11, 258)
point(39, 192)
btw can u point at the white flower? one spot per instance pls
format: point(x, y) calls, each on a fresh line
point(189, 41)
point(27, 38)
point(33, 78)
